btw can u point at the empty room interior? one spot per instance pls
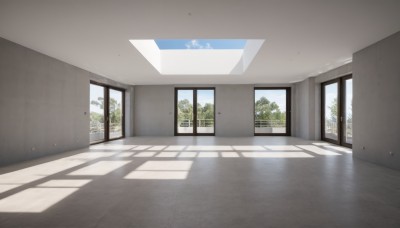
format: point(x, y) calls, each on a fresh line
point(187, 114)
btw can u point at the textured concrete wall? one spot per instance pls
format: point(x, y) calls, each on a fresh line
point(234, 110)
point(308, 102)
point(305, 106)
point(376, 106)
point(44, 104)
point(154, 109)
point(129, 99)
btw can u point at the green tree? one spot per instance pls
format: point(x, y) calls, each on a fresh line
point(115, 111)
point(267, 110)
point(185, 110)
point(334, 110)
point(205, 114)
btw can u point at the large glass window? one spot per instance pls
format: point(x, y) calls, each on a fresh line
point(337, 115)
point(106, 113)
point(194, 111)
point(116, 113)
point(348, 111)
point(185, 113)
point(97, 123)
point(205, 111)
point(272, 111)
point(331, 109)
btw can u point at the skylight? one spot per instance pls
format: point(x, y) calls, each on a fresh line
point(199, 57)
point(171, 44)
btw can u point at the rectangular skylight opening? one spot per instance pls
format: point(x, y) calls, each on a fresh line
point(199, 56)
point(182, 44)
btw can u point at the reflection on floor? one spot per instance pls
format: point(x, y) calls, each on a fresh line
point(201, 182)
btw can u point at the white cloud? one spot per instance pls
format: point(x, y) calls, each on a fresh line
point(195, 44)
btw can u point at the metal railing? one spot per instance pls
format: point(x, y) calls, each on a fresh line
point(331, 127)
point(200, 123)
point(269, 123)
point(97, 127)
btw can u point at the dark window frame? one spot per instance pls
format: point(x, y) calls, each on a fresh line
point(107, 111)
point(341, 90)
point(288, 111)
point(194, 89)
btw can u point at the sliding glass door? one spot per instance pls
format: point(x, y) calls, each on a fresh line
point(337, 118)
point(97, 113)
point(194, 111)
point(347, 129)
point(115, 113)
point(272, 111)
point(330, 110)
point(106, 113)
point(184, 110)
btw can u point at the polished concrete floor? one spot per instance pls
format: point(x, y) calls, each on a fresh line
point(192, 182)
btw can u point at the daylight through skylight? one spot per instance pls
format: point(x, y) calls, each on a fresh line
point(199, 56)
point(178, 44)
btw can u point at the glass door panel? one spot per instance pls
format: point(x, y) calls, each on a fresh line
point(348, 111)
point(205, 111)
point(271, 111)
point(115, 111)
point(184, 109)
point(331, 111)
point(97, 123)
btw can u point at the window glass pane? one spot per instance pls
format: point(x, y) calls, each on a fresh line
point(331, 111)
point(270, 111)
point(115, 113)
point(96, 113)
point(349, 112)
point(185, 111)
point(205, 111)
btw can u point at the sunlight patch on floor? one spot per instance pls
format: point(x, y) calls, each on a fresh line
point(65, 183)
point(283, 148)
point(144, 154)
point(339, 148)
point(276, 155)
point(166, 165)
point(112, 147)
point(99, 168)
point(167, 154)
point(174, 148)
point(187, 154)
point(157, 175)
point(213, 148)
point(34, 200)
point(317, 150)
point(229, 155)
point(249, 148)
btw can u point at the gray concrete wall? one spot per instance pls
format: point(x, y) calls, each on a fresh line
point(44, 104)
point(376, 107)
point(308, 102)
point(129, 99)
point(305, 106)
point(234, 110)
point(154, 109)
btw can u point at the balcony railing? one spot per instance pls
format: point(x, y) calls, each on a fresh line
point(97, 131)
point(331, 130)
point(270, 123)
point(200, 123)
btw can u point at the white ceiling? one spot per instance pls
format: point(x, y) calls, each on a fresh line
point(302, 37)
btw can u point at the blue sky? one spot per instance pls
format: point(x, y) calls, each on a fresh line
point(331, 94)
point(168, 44)
point(203, 96)
point(98, 91)
point(277, 96)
